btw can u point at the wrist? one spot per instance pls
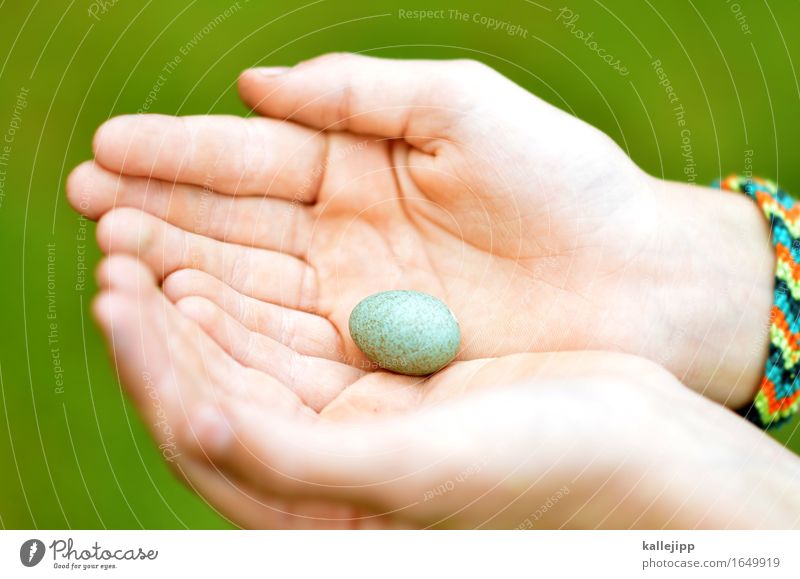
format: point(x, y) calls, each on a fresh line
point(714, 275)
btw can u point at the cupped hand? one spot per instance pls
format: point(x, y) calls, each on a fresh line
point(581, 439)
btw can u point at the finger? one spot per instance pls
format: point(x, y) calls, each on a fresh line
point(315, 380)
point(228, 154)
point(128, 307)
point(260, 273)
point(384, 465)
point(166, 362)
point(305, 333)
point(251, 509)
point(267, 223)
point(368, 464)
point(416, 99)
point(391, 465)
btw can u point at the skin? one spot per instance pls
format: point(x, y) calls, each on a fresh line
point(535, 228)
point(616, 441)
point(496, 437)
point(254, 238)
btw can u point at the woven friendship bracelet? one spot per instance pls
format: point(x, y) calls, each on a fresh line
point(778, 397)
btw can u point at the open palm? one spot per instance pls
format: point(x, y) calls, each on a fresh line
point(285, 227)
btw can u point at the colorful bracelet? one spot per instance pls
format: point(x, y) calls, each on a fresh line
point(778, 397)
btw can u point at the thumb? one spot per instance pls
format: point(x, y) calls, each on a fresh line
point(405, 465)
point(417, 100)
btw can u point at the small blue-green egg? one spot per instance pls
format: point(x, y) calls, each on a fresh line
point(405, 331)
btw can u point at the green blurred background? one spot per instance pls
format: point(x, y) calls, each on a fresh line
point(72, 452)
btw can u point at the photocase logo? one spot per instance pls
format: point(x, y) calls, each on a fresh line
point(31, 552)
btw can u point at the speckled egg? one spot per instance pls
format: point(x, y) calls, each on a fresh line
point(405, 331)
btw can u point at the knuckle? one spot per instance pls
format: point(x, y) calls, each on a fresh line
point(288, 332)
point(308, 290)
point(244, 310)
point(238, 272)
point(328, 59)
point(248, 350)
point(198, 307)
point(297, 367)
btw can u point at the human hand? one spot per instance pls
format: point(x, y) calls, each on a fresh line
point(574, 439)
point(534, 227)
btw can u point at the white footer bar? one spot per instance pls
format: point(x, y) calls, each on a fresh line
point(382, 555)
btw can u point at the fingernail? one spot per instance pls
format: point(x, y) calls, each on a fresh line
point(271, 71)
